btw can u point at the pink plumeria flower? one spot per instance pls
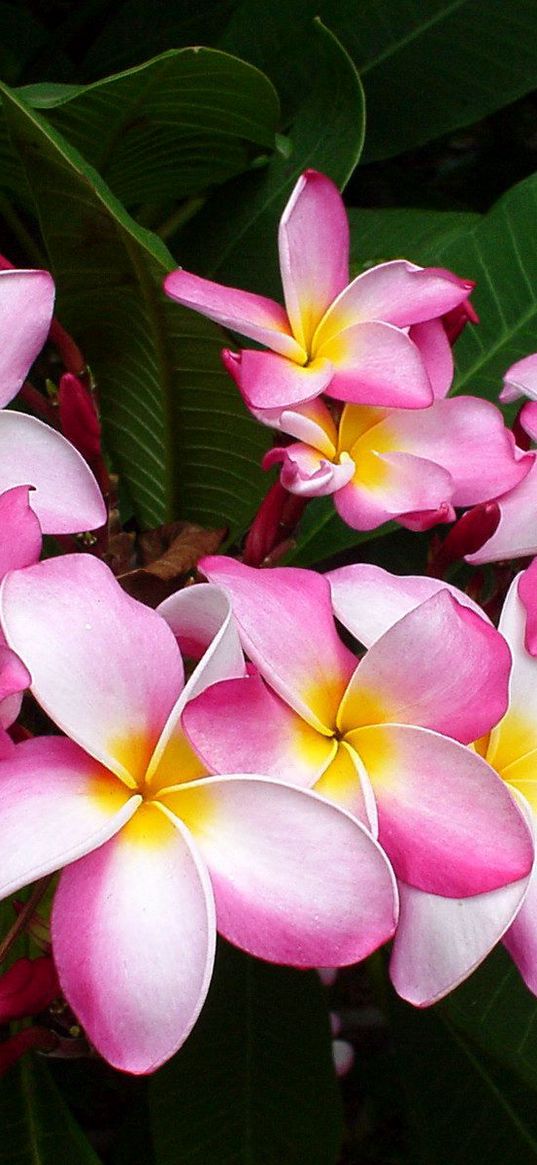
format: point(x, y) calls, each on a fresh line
point(411, 465)
point(65, 495)
point(384, 737)
point(440, 940)
point(348, 340)
point(157, 855)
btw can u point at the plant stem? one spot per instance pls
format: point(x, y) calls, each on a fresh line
point(38, 892)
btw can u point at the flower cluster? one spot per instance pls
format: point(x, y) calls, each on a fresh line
point(306, 793)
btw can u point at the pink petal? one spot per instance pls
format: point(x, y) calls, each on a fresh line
point(435, 349)
point(388, 484)
point(440, 941)
point(56, 804)
point(447, 822)
point(516, 533)
point(241, 726)
point(311, 423)
point(287, 629)
point(66, 497)
point(368, 600)
point(14, 679)
point(26, 305)
point(268, 381)
point(313, 242)
point(520, 380)
point(465, 436)
point(398, 293)
point(20, 539)
point(376, 364)
point(422, 669)
point(133, 937)
point(527, 418)
point(295, 879)
point(307, 473)
point(251, 315)
point(527, 593)
point(104, 667)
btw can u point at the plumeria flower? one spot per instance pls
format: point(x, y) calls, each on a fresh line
point(348, 340)
point(440, 940)
point(385, 737)
point(412, 465)
point(516, 533)
point(157, 854)
point(65, 496)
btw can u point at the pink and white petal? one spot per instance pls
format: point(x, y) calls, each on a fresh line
point(56, 804)
point(306, 472)
point(409, 675)
point(133, 934)
point(345, 782)
point(369, 600)
point(520, 380)
point(202, 621)
point(421, 520)
point(66, 497)
point(516, 735)
point(255, 316)
point(521, 938)
point(20, 539)
point(268, 381)
point(468, 438)
point(311, 423)
point(446, 820)
point(376, 364)
point(104, 667)
point(295, 879)
point(398, 293)
point(26, 305)
point(313, 243)
point(242, 726)
point(436, 352)
point(14, 679)
point(287, 628)
point(440, 941)
point(516, 533)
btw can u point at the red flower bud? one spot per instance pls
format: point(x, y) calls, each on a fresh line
point(27, 988)
point(78, 416)
point(15, 1046)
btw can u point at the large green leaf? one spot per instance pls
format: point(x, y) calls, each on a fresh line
point(380, 235)
point(137, 28)
point(187, 120)
point(496, 1009)
point(428, 68)
point(37, 1127)
point(235, 238)
point(463, 1106)
point(174, 422)
point(254, 1083)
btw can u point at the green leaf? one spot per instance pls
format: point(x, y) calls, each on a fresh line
point(463, 1106)
point(500, 253)
point(428, 68)
point(177, 430)
point(235, 238)
point(496, 1009)
point(322, 533)
point(254, 1083)
point(37, 1127)
point(380, 235)
point(137, 28)
point(169, 128)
